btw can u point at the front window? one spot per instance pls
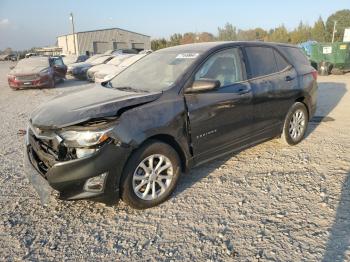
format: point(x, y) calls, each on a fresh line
point(155, 72)
point(224, 66)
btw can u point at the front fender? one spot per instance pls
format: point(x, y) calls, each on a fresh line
point(160, 117)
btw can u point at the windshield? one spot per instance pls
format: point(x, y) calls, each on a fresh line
point(34, 62)
point(89, 60)
point(155, 72)
point(118, 59)
point(100, 60)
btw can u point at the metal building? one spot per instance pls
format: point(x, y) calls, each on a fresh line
point(99, 41)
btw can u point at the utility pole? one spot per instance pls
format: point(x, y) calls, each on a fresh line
point(334, 30)
point(72, 20)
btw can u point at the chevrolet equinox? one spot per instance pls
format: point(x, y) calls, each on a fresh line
point(177, 108)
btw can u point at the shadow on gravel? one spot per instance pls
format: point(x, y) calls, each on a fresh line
point(329, 95)
point(339, 239)
point(198, 173)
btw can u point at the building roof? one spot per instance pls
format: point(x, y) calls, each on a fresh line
point(105, 29)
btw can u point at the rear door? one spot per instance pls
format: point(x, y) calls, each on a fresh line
point(274, 84)
point(220, 118)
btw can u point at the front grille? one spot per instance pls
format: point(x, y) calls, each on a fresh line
point(46, 152)
point(27, 77)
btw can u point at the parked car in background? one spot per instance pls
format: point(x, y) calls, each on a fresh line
point(8, 57)
point(30, 55)
point(174, 109)
point(37, 71)
point(107, 73)
point(78, 70)
point(110, 64)
point(147, 52)
point(71, 59)
point(3, 57)
point(121, 52)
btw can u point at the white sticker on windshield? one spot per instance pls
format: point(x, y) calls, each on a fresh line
point(187, 56)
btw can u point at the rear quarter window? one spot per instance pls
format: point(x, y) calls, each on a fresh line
point(281, 63)
point(295, 55)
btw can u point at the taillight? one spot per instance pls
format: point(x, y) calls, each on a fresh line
point(314, 74)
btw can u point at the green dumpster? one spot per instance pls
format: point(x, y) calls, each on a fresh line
point(331, 57)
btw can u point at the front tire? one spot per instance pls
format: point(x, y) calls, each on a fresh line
point(295, 124)
point(150, 175)
point(52, 83)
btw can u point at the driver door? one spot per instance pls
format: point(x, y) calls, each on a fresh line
point(220, 119)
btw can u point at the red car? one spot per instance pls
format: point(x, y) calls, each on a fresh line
point(38, 71)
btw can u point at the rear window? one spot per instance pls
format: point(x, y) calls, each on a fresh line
point(261, 61)
point(295, 55)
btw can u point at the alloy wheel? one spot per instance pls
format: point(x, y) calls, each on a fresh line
point(152, 177)
point(297, 124)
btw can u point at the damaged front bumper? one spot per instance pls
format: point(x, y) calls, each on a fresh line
point(69, 177)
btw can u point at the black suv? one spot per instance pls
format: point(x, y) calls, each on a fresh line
point(176, 108)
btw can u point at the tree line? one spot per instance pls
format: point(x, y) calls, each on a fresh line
point(321, 31)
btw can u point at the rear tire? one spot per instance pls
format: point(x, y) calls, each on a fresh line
point(150, 175)
point(52, 83)
point(324, 68)
point(295, 124)
point(337, 71)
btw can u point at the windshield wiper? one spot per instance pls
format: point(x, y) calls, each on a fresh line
point(130, 89)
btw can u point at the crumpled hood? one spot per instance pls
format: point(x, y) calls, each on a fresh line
point(28, 70)
point(90, 103)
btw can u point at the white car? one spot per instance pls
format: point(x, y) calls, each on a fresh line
point(108, 73)
point(116, 61)
point(78, 70)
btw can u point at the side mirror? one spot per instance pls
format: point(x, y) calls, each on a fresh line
point(12, 67)
point(203, 85)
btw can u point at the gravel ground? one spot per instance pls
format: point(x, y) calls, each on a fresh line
point(267, 203)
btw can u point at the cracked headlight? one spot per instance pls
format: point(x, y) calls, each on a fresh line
point(75, 138)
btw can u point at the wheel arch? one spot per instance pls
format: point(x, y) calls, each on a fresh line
point(304, 101)
point(171, 141)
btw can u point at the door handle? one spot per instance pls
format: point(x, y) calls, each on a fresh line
point(289, 78)
point(243, 90)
